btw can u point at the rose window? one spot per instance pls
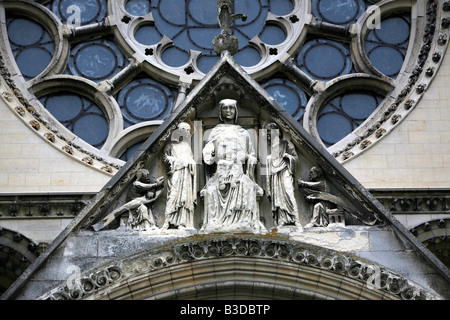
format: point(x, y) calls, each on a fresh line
point(103, 75)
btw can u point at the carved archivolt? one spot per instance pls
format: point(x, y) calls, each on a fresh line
point(103, 280)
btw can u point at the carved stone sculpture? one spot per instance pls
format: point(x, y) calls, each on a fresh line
point(315, 189)
point(231, 194)
point(141, 194)
point(280, 178)
point(225, 41)
point(181, 188)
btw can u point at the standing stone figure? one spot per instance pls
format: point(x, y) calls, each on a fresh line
point(181, 188)
point(280, 178)
point(141, 194)
point(317, 191)
point(231, 194)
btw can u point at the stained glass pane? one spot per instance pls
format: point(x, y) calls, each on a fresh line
point(386, 46)
point(138, 7)
point(143, 100)
point(96, 60)
point(281, 7)
point(288, 95)
point(87, 11)
point(324, 59)
point(80, 115)
point(31, 44)
point(194, 25)
point(341, 12)
point(147, 34)
point(344, 113)
point(131, 151)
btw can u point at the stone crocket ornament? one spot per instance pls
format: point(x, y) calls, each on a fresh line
point(225, 41)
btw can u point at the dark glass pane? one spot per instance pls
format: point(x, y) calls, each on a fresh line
point(344, 113)
point(324, 59)
point(31, 44)
point(89, 11)
point(145, 99)
point(131, 151)
point(138, 7)
point(80, 115)
point(272, 35)
point(194, 25)
point(92, 128)
point(96, 60)
point(248, 57)
point(288, 95)
point(332, 127)
point(147, 34)
point(341, 12)
point(386, 46)
point(281, 7)
point(174, 57)
point(64, 107)
point(205, 63)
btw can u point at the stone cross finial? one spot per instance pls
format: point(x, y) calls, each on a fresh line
point(225, 41)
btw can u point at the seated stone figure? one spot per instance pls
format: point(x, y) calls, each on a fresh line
point(141, 194)
point(230, 195)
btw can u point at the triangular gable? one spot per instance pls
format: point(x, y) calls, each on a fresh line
point(225, 79)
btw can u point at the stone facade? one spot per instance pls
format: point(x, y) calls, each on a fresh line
point(47, 180)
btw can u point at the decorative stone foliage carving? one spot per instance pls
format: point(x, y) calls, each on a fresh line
point(93, 282)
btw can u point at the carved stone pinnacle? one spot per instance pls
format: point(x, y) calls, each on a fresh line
point(225, 41)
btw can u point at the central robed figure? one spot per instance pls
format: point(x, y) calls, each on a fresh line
point(231, 194)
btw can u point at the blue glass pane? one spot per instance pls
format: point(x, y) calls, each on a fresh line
point(205, 63)
point(281, 7)
point(138, 7)
point(96, 60)
point(131, 151)
point(24, 32)
point(80, 115)
point(64, 107)
point(359, 105)
point(273, 35)
point(332, 127)
point(202, 12)
point(387, 60)
point(33, 61)
point(248, 57)
point(174, 57)
point(144, 100)
point(342, 12)
point(92, 128)
point(344, 113)
point(324, 59)
point(31, 44)
point(386, 46)
point(288, 95)
point(88, 11)
point(194, 25)
point(147, 34)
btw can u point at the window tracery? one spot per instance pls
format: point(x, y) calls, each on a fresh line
point(112, 43)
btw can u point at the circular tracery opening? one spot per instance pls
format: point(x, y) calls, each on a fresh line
point(164, 35)
point(344, 113)
point(78, 114)
point(31, 44)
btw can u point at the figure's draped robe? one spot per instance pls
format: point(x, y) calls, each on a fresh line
point(181, 187)
point(280, 183)
point(230, 195)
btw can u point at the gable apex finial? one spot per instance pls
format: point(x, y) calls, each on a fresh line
point(225, 41)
